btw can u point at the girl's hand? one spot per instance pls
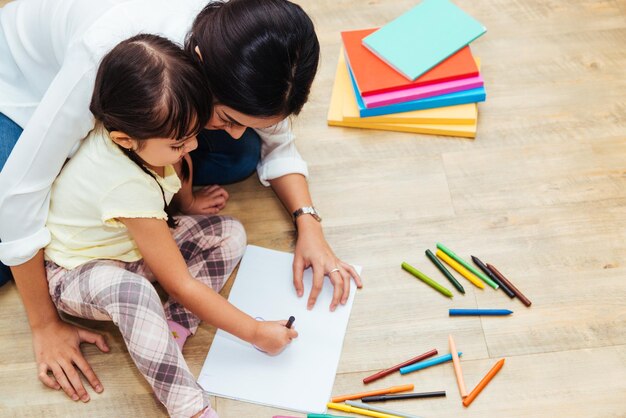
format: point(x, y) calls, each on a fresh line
point(272, 336)
point(208, 200)
point(312, 250)
point(57, 349)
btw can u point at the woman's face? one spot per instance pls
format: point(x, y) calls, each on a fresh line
point(235, 123)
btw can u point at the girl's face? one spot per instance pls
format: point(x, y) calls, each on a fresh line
point(235, 123)
point(160, 152)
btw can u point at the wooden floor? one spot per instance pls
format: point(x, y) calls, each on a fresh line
point(540, 193)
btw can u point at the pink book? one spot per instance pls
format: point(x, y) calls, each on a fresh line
point(421, 92)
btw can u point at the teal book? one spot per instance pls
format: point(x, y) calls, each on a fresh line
point(424, 36)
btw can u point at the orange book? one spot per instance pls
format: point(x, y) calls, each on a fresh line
point(373, 75)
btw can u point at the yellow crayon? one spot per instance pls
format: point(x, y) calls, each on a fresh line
point(462, 270)
point(360, 411)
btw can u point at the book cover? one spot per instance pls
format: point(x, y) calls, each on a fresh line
point(424, 36)
point(374, 76)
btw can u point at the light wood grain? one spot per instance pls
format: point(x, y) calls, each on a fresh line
point(540, 193)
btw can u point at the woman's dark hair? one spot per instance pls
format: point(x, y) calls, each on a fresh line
point(259, 56)
point(148, 87)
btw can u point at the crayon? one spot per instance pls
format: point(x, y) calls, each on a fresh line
point(510, 285)
point(445, 271)
point(467, 265)
point(324, 416)
point(493, 277)
point(397, 367)
point(427, 363)
point(415, 272)
point(401, 396)
point(481, 385)
point(479, 312)
point(349, 408)
point(380, 409)
point(462, 270)
point(457, 367)
point(392, 389)
point(290, 321)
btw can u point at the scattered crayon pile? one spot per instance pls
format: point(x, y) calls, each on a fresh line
point(414, 74)
point(484, 274)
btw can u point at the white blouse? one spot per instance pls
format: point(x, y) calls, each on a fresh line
point(49, 55)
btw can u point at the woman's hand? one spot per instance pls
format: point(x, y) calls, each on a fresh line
point(57, 350)
point(208, 200)
point(271, 337)
point(312, 250)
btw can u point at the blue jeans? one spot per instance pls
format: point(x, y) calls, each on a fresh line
point(9, 134)
point(220, 159)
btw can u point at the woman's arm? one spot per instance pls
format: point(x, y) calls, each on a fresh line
point(61, 119)
point(163, 257)
point(311, 246)
point(56, 343)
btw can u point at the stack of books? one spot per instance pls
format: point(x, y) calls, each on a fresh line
point(415, 74)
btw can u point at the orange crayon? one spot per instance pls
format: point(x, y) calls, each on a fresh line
point(481, 385)
point(393, 389)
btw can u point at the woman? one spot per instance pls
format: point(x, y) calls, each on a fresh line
point(50, 51)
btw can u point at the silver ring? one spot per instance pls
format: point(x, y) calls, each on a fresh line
point(333, 271)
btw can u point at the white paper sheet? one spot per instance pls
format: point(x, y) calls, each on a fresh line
point(302, 376)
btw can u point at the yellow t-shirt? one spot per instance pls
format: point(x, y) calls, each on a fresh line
point(97, 186)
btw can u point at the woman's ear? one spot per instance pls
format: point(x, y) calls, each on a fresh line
point(197, 50)
point(123, 140)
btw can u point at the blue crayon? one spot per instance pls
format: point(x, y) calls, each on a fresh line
point(462, 312)
point(427, 363)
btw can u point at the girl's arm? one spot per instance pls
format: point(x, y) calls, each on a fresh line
point(311, 246)
point(203, 201)
point(55, 342)
point(161, 254)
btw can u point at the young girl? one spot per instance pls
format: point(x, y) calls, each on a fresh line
point(258, 56)
point(109, 223)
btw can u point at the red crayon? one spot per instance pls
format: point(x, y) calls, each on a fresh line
point(397, 367)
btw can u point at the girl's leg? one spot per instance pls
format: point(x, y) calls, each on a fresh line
point(107, 290)
point(212, 246)
point(220, 159)
point(9, 134)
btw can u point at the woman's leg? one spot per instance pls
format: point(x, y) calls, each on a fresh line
point(9, 134)
point(110, 290)
point(220, 159)
point(212, 246)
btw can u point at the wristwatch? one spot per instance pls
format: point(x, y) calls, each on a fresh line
point(306, 210)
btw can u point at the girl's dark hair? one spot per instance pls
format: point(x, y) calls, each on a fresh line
point(148, 87)
point(259, 56)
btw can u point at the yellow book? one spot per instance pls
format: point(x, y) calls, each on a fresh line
point(342, 93)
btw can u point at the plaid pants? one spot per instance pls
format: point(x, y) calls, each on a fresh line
point(121, 292)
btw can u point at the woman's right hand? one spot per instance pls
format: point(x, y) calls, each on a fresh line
point(57, 350)
point(272, 336)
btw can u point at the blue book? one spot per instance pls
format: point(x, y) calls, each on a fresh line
point(450, 99)
point(423, 37)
